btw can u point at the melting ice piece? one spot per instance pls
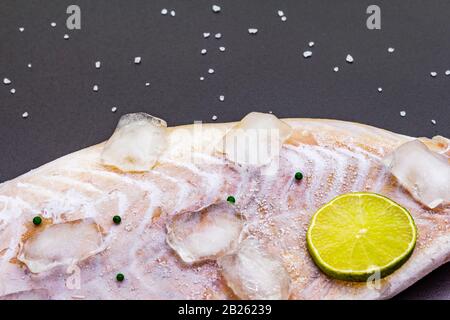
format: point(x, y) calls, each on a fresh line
point(205, 234)
point(252, 273)
point(424, 173)
point(256, 139)
point(61, 244)
point(136, 143)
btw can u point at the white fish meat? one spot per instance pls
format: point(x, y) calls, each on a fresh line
point(180, 239)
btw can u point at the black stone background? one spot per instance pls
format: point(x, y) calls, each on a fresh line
point(256, 73)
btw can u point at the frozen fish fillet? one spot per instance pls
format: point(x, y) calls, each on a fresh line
point(171, 216)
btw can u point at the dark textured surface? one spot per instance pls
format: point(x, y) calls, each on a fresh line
point(261, 72)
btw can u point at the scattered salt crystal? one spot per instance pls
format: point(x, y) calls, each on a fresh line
point(433, 121)
point(222, 98)
point(390, 50)
point(113, 109)
point(25, 115)
point(349, 59)
point(336, 69)
point(21, 29)
point(98, 64)
point(433, 74)
point(403, 113)
point(12, 91)
point(164, 11)
point(66, 36)
point(6, 81)
point(137, 60)
point(203, 51)
point(147, 84)
point(447, 73)
point(380, 89)
point(214, 118)
point(210, 71)
point(206, 34)
point(216, 8)
point(53, 24)
point(29, 65)
point(252, 30)
point(218, 35)
point(311, 44)
point(307, 54)
point(280, 13)
point(95, 88)
point(283, 18)
point(202, 78)
point(222, 49)
point(172, 13)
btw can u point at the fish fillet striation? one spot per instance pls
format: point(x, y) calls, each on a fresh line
point(335, 157)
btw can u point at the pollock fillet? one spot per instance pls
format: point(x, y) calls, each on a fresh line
point(180, 239)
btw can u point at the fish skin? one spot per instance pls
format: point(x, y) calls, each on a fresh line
point(77, 186)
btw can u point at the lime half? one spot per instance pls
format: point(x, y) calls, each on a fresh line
point(358, 234)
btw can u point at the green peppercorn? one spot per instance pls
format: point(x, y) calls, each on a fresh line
point(117, 219)
point(298, 175)
point(37, 220)
point(120, 277)
point(231, 199)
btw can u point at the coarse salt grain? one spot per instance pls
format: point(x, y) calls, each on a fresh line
point(98, 64)
point(349, 59)
point(403, 113)
point(164, 11)
point(137, 60)
point(252, 30)
point(25, 115)
point(210, 71)
point(216, 9)
point(307, 54)
point(6, 81)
